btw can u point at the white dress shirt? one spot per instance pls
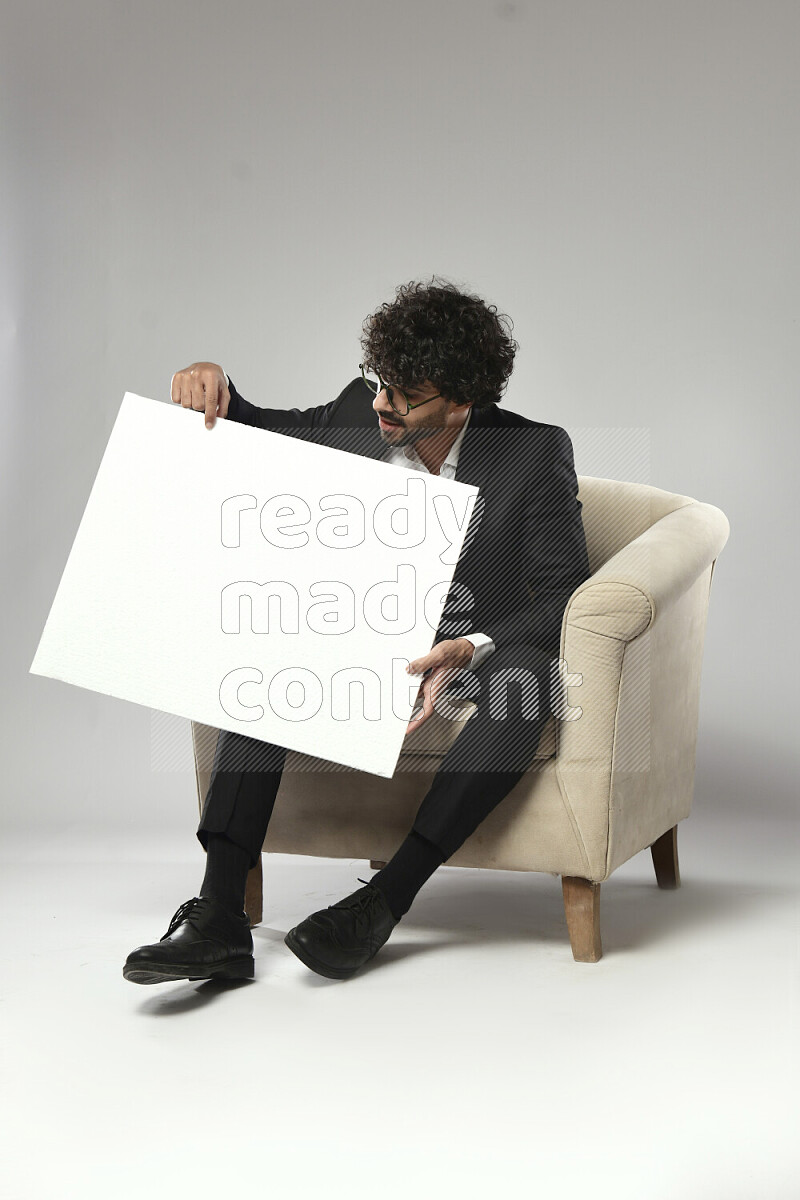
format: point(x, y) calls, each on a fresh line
point(406, 456)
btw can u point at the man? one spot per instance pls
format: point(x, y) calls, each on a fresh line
point(436, 363)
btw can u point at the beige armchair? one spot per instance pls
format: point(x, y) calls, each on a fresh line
point(613, 775)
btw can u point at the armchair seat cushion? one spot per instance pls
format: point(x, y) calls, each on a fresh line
point(434, 738)
point(424, 749)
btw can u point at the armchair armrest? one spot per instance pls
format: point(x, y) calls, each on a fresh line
point(625, 749)
point(625, 596)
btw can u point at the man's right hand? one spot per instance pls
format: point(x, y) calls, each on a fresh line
point(204, 387)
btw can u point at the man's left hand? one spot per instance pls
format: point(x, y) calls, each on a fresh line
point(440, 665)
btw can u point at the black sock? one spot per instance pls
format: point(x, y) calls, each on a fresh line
point(227, 865)
point(406, 871)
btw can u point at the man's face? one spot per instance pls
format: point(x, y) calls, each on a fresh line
point(434, 417)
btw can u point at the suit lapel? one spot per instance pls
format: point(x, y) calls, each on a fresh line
point(474, 459)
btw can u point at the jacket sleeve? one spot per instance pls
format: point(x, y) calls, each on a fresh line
point(554, 558)
point(295, 422)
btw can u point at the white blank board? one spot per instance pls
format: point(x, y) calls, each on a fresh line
point(257, 583)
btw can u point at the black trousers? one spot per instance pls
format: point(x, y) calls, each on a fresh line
point(496, 746)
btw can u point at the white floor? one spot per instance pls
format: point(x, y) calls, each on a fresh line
point(473, 1052)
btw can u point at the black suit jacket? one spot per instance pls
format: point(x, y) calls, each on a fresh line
point(524, 551)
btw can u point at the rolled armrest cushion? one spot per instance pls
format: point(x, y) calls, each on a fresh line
point(624, 597)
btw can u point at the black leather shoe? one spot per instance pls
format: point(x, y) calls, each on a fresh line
point(337, 940)
point(205, 940)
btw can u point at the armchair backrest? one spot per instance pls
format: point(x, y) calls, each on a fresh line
point(614, 513)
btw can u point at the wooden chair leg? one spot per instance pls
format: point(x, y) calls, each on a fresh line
point(582, 910)
point(254, 894)
point(665, 859)
point(376, 863)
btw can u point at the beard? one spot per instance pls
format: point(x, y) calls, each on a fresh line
point(402, 436)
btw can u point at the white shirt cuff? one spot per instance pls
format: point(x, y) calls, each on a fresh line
point(484, 646)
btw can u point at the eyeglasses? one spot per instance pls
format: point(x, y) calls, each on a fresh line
point(380, 386)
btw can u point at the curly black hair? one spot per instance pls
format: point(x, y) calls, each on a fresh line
point(435, 331)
